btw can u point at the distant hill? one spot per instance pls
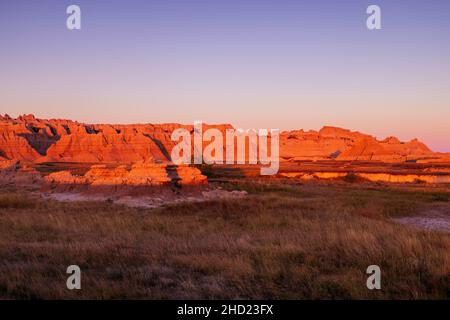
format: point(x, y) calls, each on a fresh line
point(28, 138)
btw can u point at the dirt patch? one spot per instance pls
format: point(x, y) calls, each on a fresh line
point(147, 201)
point(434, 219)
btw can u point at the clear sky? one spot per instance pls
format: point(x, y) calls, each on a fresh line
point(252, 63)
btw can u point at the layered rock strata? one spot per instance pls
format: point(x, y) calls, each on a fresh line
point(27, 138)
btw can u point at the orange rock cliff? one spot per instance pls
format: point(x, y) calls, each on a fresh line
point(30, 139)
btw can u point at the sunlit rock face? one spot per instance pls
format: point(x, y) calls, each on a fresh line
point(65, 177)
point(15, 173)
point(38, 140)
point(148, 173)
point(341, 144)
point(190, 175)
point(140, 174)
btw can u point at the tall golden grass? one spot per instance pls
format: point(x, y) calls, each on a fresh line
point(308, 241)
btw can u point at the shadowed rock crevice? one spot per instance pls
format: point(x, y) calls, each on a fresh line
point(174, 177)
point(335, 154)
point(161, 146)
point(39, 142)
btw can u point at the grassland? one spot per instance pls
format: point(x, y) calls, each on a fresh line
point(284, 241)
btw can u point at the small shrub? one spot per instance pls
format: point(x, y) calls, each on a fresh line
point(351, 178)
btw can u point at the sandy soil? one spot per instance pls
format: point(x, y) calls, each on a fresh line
point(145, 201)
point(436, 219)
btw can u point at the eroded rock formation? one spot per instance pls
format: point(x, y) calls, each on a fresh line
point(140, 174)
point(190, 175)
point(37, 140)
point(340, 144)
point(18, 174)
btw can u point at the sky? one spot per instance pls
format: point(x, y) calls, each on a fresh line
point(285, 64)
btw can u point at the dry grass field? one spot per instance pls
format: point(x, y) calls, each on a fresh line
point(283, 241)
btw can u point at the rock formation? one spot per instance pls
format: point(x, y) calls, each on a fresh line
point(102, 175)
point(140, 174)
point(37, 140)
point(341, 144)
point(368, 149)
point(65, 177)
point(9, 165)
point(190, 175)
point(148, 173)
point(14, 143)
point(15, 173)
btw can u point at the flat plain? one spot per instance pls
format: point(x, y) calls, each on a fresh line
point(287, 239)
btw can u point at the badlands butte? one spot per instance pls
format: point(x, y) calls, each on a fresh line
point(64, 154)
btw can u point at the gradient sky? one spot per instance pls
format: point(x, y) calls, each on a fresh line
point(252, 63)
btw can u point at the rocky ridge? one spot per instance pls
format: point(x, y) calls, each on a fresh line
point(30, 139)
